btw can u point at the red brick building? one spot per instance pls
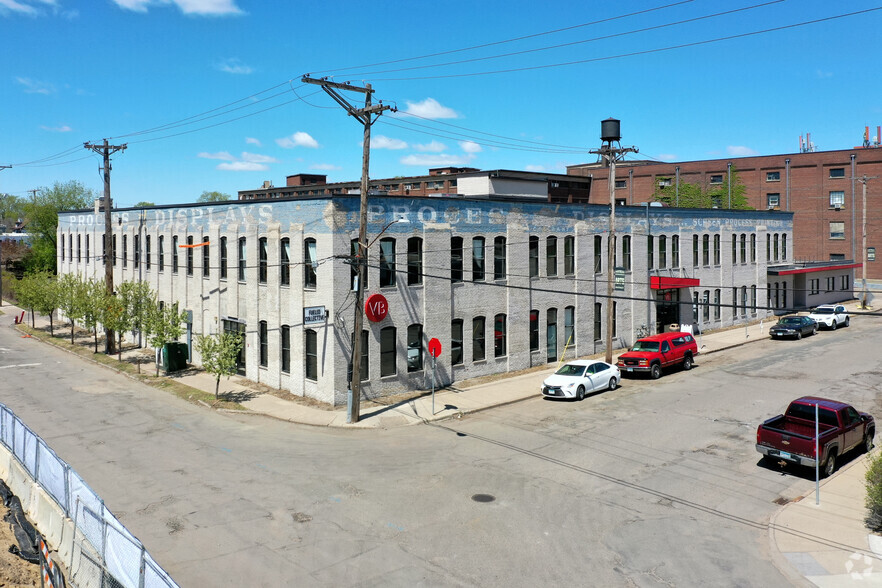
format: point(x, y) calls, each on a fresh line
point(823, 189)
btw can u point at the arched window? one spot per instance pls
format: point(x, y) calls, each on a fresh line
point(263, 337)
point(414, 348)
point(387, 262)
point(456, 342)
point(753, 248)
point(743, 248)
point(534, 256)
point(414, 261)
point(675, 251)
point(478, 265)
point(311, 354)
point(478, 338)
point(551, 256)
point(223, 258)
point(263, 260)
point(551, 334)
point(662, 252)
point(310, 262)
point(626, 252)
point(500, 335)
point(242, 259)
point(388, 352)
point(285, 347)
point(456, 259)
point(569, 255)
point(189, 254)
point(570, 325)
point(499, 258)
point(162, 253)
point(285, 262)
point(695, 251)
point(206, 257)
point(534, 330)
point(717, 249)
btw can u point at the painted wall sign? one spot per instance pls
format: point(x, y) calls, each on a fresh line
point(313, 315)
point(376, 308)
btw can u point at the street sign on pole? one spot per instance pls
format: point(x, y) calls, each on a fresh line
point(620, 278)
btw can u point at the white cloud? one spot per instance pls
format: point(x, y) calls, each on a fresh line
point(535, 168)
point(433, 147)
point(258, 158)
point(430, 108)
point(243, 166)
point(253, 141)
point(298, 139)
point(199, 7)
point(740, 151)
point(233, 66)
point(469, 146)
point(61, 129)
point(225, 155)
point(435, 160)
point(381, 142)
point(35, 86)
point(325, 166)
point(667, 157)
point(824, 74)
point(25, 7)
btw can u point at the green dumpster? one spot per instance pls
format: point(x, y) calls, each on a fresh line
point(174, 356)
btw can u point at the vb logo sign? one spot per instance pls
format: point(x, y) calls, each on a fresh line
point(376, 308)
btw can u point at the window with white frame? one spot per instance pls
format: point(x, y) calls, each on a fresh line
point(837, 199)
point(837, 230)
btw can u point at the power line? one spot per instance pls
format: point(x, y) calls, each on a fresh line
point(635, 53)
point(580, 42)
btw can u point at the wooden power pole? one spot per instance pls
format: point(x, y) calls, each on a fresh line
point(106, 150)
point(366, 116)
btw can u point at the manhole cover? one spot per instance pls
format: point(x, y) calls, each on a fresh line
point(483, 498)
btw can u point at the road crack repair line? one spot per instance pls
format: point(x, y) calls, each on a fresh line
point(20, 365)
point(664, 496)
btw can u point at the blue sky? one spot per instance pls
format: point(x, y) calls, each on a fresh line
point(84, 71)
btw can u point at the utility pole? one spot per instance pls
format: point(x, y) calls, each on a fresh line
point(610, 134)
point(366, 116)
point(863, 180)
point(106, 150)
point(2, 167)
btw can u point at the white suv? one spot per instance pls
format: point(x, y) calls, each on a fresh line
point(830, 316)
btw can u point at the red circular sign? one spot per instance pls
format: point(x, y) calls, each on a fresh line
point(376, 308)
point(434, 347)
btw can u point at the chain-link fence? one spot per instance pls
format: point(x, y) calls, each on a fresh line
point(101, 551)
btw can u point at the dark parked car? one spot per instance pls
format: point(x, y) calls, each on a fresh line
point(794, 326)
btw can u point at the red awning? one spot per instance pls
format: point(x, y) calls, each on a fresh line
point(669, 283)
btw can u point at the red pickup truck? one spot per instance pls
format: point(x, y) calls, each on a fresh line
point(790, 437)
point(651, 354)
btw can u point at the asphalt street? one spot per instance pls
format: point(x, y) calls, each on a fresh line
point(657, 482)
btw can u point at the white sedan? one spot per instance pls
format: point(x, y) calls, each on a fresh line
point(576, 378)
point(830, 316)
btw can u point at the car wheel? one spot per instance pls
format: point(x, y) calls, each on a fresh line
point(815, 330)
point(833, 325)
point(868, 440)
point(655, 371)
point(687, 362)
point(580, 393)
point(830, 466)
point(798, 335)
point(613, 383)
point(846, 321)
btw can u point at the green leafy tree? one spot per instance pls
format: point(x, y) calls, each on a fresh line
point(114, 316)
point(93, 302)
point(144, 203)
point(219, 353)
point(11, 207)
point(873, 500)
point(26, 293)
point(697, 196)
point(41, 214)
point(71, 295)
point(138, 299)
point(213, 197)
point(164, 326)
point(48, 296)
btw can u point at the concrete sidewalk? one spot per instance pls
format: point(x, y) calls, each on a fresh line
point(828, 545)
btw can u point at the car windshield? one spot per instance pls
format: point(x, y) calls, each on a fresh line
point(645, 346)
point(822, 311)
point(571, 370)
point(791, 320)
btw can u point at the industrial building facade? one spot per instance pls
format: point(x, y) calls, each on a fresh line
point(824, 190)
point(504, 284)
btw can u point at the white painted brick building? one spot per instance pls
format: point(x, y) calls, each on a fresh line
point(503, 283)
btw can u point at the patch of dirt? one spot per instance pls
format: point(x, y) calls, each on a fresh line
point(14, 571)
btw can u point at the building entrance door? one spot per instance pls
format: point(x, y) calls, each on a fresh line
point(667, 308)
point(234, 326)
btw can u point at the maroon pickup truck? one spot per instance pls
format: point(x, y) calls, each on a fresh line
point(790, 437)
